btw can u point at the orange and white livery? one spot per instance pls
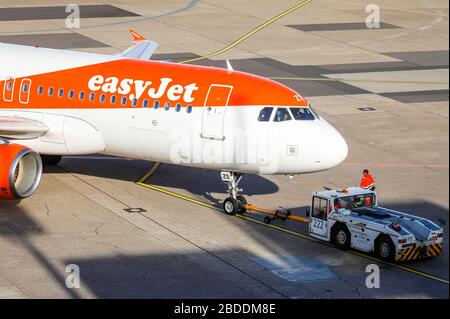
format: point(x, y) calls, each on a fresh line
point(59, 102)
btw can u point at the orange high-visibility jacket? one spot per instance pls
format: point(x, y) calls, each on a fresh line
point(367, 181)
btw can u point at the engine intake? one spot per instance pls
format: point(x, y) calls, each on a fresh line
point(20, 171)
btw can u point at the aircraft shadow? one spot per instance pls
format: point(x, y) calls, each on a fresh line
point(200, 182)
point(18, 226)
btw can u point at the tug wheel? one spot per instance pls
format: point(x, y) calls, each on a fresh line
point(341, 237)
point(267, 220)
point(385, 249)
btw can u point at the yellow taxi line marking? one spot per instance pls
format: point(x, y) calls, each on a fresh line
point(165, 191)
point(150, 173)
point(288, 231)
point(249, 34)
point(142, 181)
point(409, 269)
point(189, 199)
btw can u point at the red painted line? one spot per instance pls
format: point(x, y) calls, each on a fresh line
point(396, 165)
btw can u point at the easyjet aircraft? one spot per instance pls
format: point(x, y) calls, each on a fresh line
point(57, 103)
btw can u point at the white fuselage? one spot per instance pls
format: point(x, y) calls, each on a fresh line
point(223, 137)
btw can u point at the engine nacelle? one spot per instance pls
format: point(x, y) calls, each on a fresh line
point(20, 171)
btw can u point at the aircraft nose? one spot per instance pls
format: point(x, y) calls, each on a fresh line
point(340, 148)
point(336, 148)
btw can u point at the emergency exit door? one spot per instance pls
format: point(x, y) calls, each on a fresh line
point(214, 110)
point(8, 90)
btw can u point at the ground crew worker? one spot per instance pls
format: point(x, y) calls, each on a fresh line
point(357, 202)
point(367, 181)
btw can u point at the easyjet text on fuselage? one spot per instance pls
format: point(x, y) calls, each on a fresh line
point(135, 89)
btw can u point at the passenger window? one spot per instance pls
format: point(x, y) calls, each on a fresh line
point(71, 94)
point(124, 100)
point(265, 114)
point(92, 97)
point(167, 107)
point(81, 95)
point(41, 90)
point(50, 91)
point(189, 109)
point(302, 114)
point(320, 208)
point(282, 114)
point(61, 92)
point(25, 88)
point(156, 105)
point(134, 102)
point(113, 99)
point(9, 86)
point(145, 103)
point(178, 107)
point(102, 98)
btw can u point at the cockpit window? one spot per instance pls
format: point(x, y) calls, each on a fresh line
point(314, 111)
point(264, 115)
point(302, 114)
point(282, 114)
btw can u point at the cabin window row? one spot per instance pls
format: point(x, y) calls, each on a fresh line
point(113, 99)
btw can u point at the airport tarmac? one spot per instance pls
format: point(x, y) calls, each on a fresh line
point(385, 90)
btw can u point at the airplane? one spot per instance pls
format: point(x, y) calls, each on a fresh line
point(56, 103)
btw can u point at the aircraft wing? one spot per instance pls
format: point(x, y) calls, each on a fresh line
point(142, 49)
point(21, 129)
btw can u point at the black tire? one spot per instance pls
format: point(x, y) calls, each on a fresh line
point(267, 220)
point(242, 202)
point(48, 160)
point(385, 249)
point(231, 206)
point(341, 237)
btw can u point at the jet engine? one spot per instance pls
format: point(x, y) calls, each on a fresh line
point(20, 171)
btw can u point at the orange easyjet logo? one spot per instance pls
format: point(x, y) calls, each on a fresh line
point(135, 89)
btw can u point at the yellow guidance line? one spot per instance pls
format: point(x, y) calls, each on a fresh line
point(165, 191)
point(150, 173)
point(192, 200)
point(141, 182)
point(249, 34)
point(405, 268)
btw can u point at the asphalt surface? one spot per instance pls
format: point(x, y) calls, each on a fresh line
point(385, 90)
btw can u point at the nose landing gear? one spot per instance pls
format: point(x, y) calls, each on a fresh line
point(235, 204)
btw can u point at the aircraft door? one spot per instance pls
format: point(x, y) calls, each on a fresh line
point(214, 110)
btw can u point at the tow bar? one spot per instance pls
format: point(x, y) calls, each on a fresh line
point(282, 214)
